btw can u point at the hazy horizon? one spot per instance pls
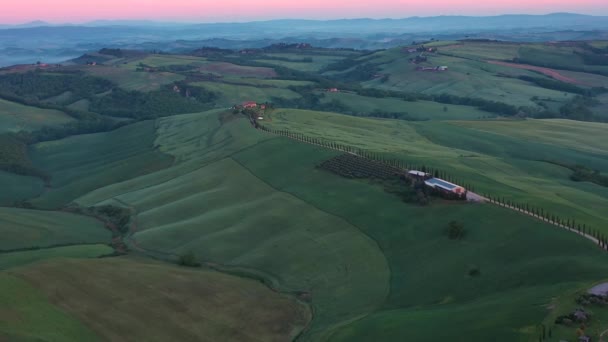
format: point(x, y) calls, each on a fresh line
point(191, 11)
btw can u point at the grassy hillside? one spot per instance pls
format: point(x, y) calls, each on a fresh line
point(257, 192)
point(500, 163)
point(18, 188)
point(465, 77)
point(83, 163)
point(246, 223)
point(429, 271)
point(22, 228)
point(27, 315)
point(15, 117)
point(120, 297)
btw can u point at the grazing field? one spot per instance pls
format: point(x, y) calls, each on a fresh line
point(236, 94)
point(418, 110)
point(23, 228)
point(13, 259)
point(504, 160)
point(133, 80)
point(15, 117)
point(27, 315)
point(83, 163)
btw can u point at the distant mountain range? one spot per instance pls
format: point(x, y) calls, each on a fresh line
point(418, 24)
point(38, 40)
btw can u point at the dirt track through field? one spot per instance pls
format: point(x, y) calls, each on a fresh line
point(545, 71)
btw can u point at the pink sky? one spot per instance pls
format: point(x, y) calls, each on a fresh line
point(59, 11)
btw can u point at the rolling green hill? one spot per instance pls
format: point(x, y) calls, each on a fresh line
point(496, 160)
point(80, 164)
point(15, 117)
point(279, 247)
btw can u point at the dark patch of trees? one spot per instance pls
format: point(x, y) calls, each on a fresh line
point(14, 157)
point(34, 86)
point(455, 230)
point(164, 102)
point(559, 85)
point(188, 259)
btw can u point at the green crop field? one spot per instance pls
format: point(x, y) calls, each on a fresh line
point(419, 110)
point(236, 94)
point(15, 117)
point(121, 295)
point(13, 259)
point(22, 228)
point(497, 160)
point(84, 163)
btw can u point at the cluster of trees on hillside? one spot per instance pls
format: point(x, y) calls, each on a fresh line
point(562, 86)
point(34, 86)
point(15, 159)
point(163, 102)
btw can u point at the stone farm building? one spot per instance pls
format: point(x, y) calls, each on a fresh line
point(443, 185)
point(249, 104)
